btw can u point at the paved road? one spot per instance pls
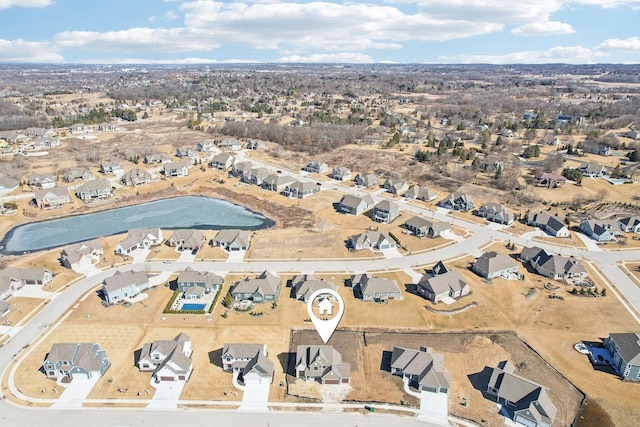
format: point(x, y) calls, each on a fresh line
point(481, 234)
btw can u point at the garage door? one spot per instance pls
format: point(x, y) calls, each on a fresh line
point(332, 382)
point(166, 379)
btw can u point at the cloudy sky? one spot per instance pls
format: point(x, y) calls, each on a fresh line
point(398, 31)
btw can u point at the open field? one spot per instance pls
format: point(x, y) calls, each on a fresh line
point(20, 309)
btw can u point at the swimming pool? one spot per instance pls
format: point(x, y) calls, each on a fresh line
point(193, 307)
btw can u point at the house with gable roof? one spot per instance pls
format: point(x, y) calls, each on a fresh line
point(170, 360)
point(206, 282)
point(555, 267)
point(94, 190)
point(442, 283)
point(377, 289)
point(173, 169)
point(457, 201)
point(527, 402)
point(265, 287)
point(423, 368)
point(187, 239)
point(385, 211)
point(316, 167)
point(140, 238)
point(495, 264)
point(78, 174)
point(135, 177)
point(366, 180)
point(301, 189)
point(222, 161)
point(303, 286)
point(374, 240)
point(592, 170)
point(630, 224)
point(75, 360)
point(81, 255)
point(51, 198)
point(496, 212)
point(14, 278)
point(419, 192)
point(321, 363)
point(421, 227)
point(123, 285)
point(354, 205)
point(42, 180)
point(232, 240)
point(625, 351)
point(242, 170)
point(552, 225)
point(250, 361)
point(340, 173)
point(601, 230)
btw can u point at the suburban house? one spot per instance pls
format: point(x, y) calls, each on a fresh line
point(232, 240)
point(553, 266)
point(205, 146)
point(457, 201)
point(265, 287)
point(222, 161)
point(395, 186)
point(135, 177)
point(140, 238)
point(442, 284)
point(625, 351)
point(124, 285)
point(354, 205)
point(75, 360)
point(93, 190)
point(170, 360)
point(80, 128)
point(303, 286)
point(52, 197)
point(258, 175)
point(550, 180)
point(316, 167)
point(187, 152)
point(43, 143)
point(550, 139)
point(7, 185)
point(42, 180)
point(525, 401)
point(107, 127)
point(423, 368)
point(111, 168)
point(496, 213)
point(630, 224)
point(601, 230)
point(187, 239)
point(194, 284)
point(157, 158)
point(592, 170)
point(277, 182)
point(255, 144)
point(250, 361)
point(340, 173)
point(385, 211)
point(495, 264)
point(33, 132)
point(173, 169)
point(376, 289)
point(81, 255)
point(13, 278)
point(371, 240)
point(552, 225)
point(301, 189)
point(78, 174)
point(242, 170)
point(321, 363)
point(366, 180)
point(231, 144)
point(419, 192)
point(421, 227)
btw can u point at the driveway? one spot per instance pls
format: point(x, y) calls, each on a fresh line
point(75, 393)
point(434, 407)
point(167, 394)
point(255, 397)
point(391, 253)
point(236, 256)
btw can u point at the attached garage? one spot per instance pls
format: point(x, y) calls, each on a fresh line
point(327, 381)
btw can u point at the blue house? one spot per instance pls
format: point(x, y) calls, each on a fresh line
point(625, 351)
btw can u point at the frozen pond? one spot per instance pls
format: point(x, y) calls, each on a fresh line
point(178, 212)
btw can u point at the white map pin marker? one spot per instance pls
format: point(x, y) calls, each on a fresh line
point(326, 328)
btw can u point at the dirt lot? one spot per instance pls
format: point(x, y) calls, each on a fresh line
point(466, 356)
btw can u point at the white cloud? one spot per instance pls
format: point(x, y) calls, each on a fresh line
point(559, 54)
point(5, 4)
point(151, 18)
point(543, 29)
point(606, 4)
point(25, 51)
point(181, 61)
point(342, 57)
point(631, 44)
point(171, 15)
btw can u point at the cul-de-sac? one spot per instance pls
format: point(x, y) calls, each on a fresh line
point(165, 227)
